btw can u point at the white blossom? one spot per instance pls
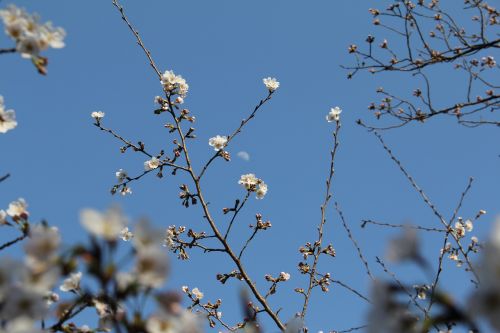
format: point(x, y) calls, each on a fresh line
point(18, 208)
point(468, 225)
point(261, 190)
point(249, 181)
point(174, 83)
point(29, 46)
point(7, 118)
point(72, 283)
point(334, 114)
point(218, 142)
point(97, 115)
point(145, 235)
point(30, 35)
point(107, 225)
point(151, 164)
point(126, 234)
point(271, 83)
point(284, 276)
point(185, 322)
point(151, 267)
point(485, 300)
point(42, 245)
point(198, 295)
point(22, 324)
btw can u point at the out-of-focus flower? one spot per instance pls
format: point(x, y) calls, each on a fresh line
point(404, 247)
point(31, 36)
point(7, 118)
point(23, 324)
point(218, 142)
point(485, 300)
point(334, 114)
point(72, 283)
point(151, 164)
point(20, 302)
point(389, 315)
point(271, 83)
point(107, 225)
point(42, 244)
point(151, 267)
point(185, 322)
point(145, 235)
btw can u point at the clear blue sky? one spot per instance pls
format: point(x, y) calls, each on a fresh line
point(60, 163)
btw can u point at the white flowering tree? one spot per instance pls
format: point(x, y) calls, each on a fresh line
point(52, 285)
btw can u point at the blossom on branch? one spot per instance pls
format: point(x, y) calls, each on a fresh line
point(218, 142)
point(271, 84)
point(334, 114)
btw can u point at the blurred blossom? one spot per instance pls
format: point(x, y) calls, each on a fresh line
point(404, 247)
point(107, 225)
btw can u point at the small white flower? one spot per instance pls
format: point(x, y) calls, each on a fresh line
point(18, 208)
point(121, 175)
point(198, 295)
point(7, 118)
point(459, 229)
point(271, 83)
point(126, 234)
point(218, 142)
point(261, 190)
point(72, 283)
point(97, 115)
point(468, 225)
point(151, 164)
point(249, 181)
point(334, 114)
point(284, 276)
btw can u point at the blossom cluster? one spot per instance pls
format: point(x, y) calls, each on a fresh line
point(253, 184)
point(31, 36)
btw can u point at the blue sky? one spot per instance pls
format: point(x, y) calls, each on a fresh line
point(60, 163)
